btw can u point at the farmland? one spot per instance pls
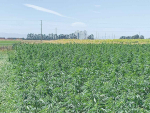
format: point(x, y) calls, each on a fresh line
point(78, 78)
point(116, 41)
point(7, 44)
point(64, 41)
point(6, 85)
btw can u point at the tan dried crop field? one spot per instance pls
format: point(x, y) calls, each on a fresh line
point(64, 41)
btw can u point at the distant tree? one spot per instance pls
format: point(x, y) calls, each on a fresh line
point(141, 37)
point(128, 37)
point(132, 37)
point(52, 36)
point(122, 37)
point(91, 37)
point(135, 36)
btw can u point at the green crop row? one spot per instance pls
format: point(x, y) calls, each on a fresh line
point(82, 78)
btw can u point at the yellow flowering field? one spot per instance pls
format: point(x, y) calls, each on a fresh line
point(63, 41)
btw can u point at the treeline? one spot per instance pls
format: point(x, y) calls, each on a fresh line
point(32, 36)
point(132, 37)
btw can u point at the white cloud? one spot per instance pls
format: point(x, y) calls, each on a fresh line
point(45, 10)
point(96, 12)
point(78, 24)
point(97, 5)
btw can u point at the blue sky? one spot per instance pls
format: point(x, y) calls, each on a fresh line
point(110, 17)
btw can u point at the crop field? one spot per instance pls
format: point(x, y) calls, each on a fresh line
point(7, 44)
point(6, 91)
point(116, 41)
point(64, 41)
point(78, 78)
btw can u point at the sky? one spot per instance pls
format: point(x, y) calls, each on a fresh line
point(103, 18)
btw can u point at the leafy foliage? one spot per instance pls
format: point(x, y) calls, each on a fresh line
point(82, 77)
point(132, 37)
